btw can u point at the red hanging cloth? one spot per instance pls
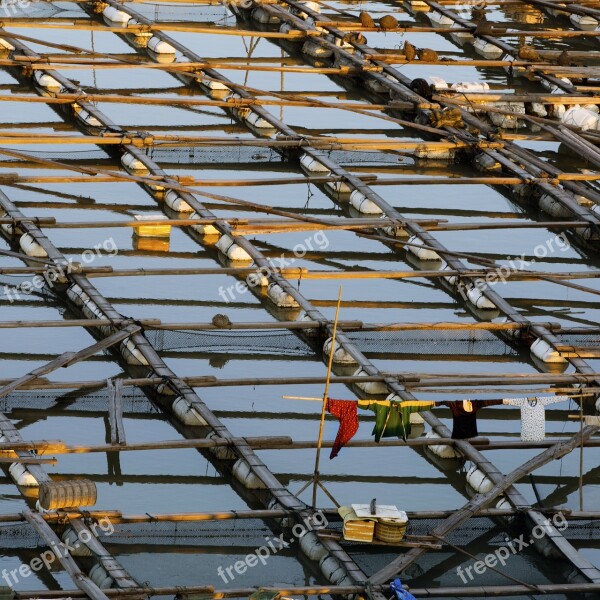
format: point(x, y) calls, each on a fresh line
point(346, 412)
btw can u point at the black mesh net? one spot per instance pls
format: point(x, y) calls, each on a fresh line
point(476, 342)
point(181, 12)
point(134, 401)
point(259, 342)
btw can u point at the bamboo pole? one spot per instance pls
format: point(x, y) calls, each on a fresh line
point(325, 399)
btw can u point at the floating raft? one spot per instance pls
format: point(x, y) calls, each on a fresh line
point(357, 172)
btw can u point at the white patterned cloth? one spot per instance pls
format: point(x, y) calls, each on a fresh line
point(533, 415)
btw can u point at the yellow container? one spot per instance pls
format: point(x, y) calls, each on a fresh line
point(390, 530)
point(152, 228)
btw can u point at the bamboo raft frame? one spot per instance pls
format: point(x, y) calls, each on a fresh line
point(544, 332)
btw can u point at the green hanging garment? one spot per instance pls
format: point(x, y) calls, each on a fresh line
point(392, 419)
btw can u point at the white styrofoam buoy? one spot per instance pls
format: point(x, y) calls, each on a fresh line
point(478, 299)
point(370, 387)
point(22, 476)
point(340, 355)
point(312, 164)
point(100, 577)
point(115, 15)
point(257, 279)
point(478, 481)
point(413, 246)
point(244, 474)
point(280, 297)
point(186, 413)
point(487, 49)
point(363, 205)
point(546, 353)
point(204, 229)
point(584, 118)
point(470, 87)
point(31, 247)
point(131, 163)
point(158, 46)
point(46, 81)
point(511, 121)
point(85, 116)
point(231, 250)
point(442, 450)
point(132, 354)
point(175, 202)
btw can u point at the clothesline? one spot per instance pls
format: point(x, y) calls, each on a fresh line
point(393, 418)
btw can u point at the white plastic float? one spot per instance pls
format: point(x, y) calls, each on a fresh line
point(585, 22)
point(46, 81)
point(203, 229)
point(175, 202)
point(478, 481)
point(363, 205)
point(442, 450)
point(477, 298)
point(312, 164)
point(100, 577)
point(340, 356)
point(22, 476)
point(159, 46)
point(187, 414)
point(244, 474)
point(31, 247)
point(231, 250)
point(546, 353)
point(132, 354)
point(116, 16)
point(85, 117)
point(131, 163)
point(421, 253)
point(280, 297)
point(370, 387)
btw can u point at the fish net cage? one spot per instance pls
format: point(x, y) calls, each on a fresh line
point(401, 343)
point(182, 12)
point(258, 342)
point(217, 154)
point(134, 401)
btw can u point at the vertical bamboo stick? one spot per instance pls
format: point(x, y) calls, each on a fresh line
point(325, 396)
